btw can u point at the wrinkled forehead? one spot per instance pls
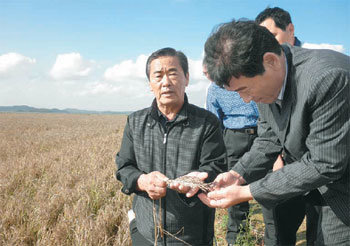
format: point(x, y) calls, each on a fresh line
point(165, 63)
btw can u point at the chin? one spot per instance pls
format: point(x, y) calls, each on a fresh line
point(268, 100)
point(167, 101)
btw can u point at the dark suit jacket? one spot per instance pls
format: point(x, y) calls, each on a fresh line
point(312, 130)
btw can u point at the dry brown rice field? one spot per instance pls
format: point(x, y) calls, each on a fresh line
point(57, 182)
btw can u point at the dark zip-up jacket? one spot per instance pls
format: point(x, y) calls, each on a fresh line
point(193, 142)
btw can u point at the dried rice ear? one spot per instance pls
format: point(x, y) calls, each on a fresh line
point(193, 182)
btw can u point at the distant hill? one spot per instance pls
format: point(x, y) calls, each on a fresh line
point(28, 109)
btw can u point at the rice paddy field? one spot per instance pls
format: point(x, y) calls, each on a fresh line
point(57, 183)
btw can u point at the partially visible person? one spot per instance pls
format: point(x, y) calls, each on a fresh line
point(285, 216)
point(304, 109)
point(169, 139)
point(279, 23)
point(238, 120)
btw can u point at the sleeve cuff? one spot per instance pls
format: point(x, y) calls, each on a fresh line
point(130, 187)
point(254, 190)
point(239, 168)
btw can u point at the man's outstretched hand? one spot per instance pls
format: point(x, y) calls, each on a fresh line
point(227, 191)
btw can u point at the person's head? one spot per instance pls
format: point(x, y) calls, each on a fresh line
point(245, 57)
point(279, 23)
point(167, 72)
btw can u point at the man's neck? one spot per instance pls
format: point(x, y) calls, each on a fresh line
point(170, 112)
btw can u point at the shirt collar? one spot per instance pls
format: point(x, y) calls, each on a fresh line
point(280, 96)
point(164, 118)
point(181, 115)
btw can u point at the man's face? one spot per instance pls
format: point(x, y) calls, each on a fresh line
point(168, 81)
point(286, 36)
point(263, 88)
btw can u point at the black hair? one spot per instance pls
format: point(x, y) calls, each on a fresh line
point(167, 52)
point(237, 48)
point(280, 17)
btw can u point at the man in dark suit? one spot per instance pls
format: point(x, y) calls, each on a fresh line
point(303, 100)
point(279, 224)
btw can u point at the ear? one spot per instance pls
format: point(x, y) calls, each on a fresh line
point(272, 61)
point(187, 79)
point(290, 29)
point(290, 32)
point(150, 87)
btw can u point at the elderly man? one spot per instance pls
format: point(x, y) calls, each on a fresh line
point(303, 100)
point(167, 140)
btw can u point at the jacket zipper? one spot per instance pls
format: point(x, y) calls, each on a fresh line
point(164, 200)
point(164, 139)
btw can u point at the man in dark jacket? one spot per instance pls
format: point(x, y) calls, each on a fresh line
point(167, 140)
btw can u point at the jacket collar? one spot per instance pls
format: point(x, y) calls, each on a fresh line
point(182, 115)
point(283, 116)
point(286, 49)
point(288, 54)
point(297, 42)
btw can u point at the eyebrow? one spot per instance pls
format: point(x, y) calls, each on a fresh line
point(240, 88)
point(174, 69)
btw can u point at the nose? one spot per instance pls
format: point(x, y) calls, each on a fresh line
point(165, 80)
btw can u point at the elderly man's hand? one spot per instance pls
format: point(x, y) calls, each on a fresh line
point(153, 183)
point(187, 189)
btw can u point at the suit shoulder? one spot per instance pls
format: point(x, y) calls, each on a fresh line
point(319, 74)
point(319, 60)
point(312, 66)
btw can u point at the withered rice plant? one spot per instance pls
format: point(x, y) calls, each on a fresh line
point(57, 183)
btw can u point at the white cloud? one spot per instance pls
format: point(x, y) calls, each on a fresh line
point(100, 88)
point(134, 88)
point(70, 66)
point(127, 70)
point(196, 71)
point(339, 48)
point(14, 63)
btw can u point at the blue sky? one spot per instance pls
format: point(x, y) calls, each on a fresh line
point(90, 54)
